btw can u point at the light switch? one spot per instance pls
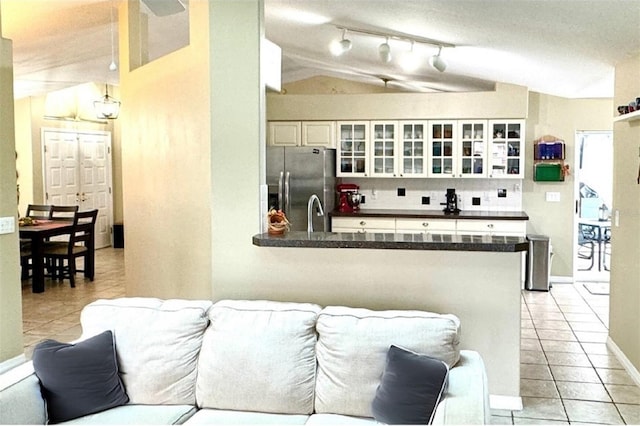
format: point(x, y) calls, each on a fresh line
point(553, 197)
point(7, 225)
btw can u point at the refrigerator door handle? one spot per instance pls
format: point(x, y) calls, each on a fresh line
point(281, 191)
point(287, 194)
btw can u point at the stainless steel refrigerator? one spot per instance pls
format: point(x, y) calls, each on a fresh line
point(296, 173)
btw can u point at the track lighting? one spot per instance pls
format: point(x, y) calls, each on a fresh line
point(385, 51)
point(437, 62)
point(340, 47)
point(410, 61)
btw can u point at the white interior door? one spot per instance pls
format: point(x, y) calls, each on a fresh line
point(61, 177)
point(77, 170)
point(95, 182)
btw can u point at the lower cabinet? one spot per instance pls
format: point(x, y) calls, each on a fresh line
point(516, 228)
point(426, 226)
point(366, 224)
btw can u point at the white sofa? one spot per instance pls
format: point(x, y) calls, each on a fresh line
point(257, 362)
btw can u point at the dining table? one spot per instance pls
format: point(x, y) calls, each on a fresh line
point(602, 229)
point(38, 233)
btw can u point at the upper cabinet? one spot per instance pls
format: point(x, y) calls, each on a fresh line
point(443, 148)
point(384, 149)
point(353, 148)
point(302, 133)
point(506, 149)
point(413, 148)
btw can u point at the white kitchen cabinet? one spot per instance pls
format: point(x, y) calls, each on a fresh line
point(442, 148)
point(472, 149)
point(284, 133)
point(319, 133)
point(412, 148)
point(353, 149)
point(384, 153)
point(305, 133)
point(425, 226)
point(363, 224)
point(506, 149)
point(516, 228)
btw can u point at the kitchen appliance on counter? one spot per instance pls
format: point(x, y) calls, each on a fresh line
point(348, 197)
point(296, 173)
point(451, 205)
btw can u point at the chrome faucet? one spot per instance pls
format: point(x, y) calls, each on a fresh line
point(312, 199)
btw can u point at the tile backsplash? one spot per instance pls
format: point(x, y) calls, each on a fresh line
point(428, 194)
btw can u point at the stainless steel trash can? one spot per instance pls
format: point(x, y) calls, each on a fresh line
point(538, 263)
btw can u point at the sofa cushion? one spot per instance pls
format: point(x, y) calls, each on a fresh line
point(157, 344)
point(208, 416)
point(410, 389)
point(139, 415)
point(353, 345)
point(79, 379)
point(339, 419)
point(259, 356)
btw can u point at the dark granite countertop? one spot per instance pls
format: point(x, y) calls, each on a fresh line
point(434, 214)
point(391, 241)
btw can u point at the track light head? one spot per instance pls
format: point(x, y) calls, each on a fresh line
point(385, 51)
point(337, 48)
point(437, 62)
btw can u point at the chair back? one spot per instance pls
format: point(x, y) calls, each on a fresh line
point(39, 211)
point(84, 224)
point(63, 212)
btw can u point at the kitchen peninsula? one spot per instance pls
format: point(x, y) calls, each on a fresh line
point(474, 276)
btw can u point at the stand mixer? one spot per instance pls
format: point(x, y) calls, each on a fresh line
point(348, 197)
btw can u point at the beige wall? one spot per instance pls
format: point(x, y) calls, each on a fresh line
point(551, 115)
point(624, 312)
point(166, 171)
point(10, 298)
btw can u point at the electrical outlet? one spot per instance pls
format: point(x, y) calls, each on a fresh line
point(7, 225)
point(502, 193)
point(475, 201)
point(426, 200)
point(402, 192)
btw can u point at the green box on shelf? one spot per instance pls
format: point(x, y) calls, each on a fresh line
point(548, 172)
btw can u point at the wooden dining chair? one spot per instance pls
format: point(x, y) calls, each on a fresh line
point(62, 257)
point(62, 212)
point(39, 211)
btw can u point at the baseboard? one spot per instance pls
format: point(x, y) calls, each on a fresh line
point(622, 358)
point(503, 402)
point(12, 363)
point(560, 279)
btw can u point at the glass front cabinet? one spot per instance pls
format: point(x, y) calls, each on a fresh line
point(442, 148)
point(383, 149)
point(506, 149)
point(472, 152)
point(352, 152)
point(413, 148)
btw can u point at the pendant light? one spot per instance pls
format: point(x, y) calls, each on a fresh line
point(108, 107)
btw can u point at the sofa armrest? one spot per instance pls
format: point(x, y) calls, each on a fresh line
point(466, 400)
point(21, 401)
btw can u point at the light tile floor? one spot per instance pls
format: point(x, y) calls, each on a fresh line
point(568, 376)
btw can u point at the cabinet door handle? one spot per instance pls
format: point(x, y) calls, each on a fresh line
point(490, 226)
point(363, 223)
point(425, 224)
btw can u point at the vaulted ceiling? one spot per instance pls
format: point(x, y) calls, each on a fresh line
point(562, 47)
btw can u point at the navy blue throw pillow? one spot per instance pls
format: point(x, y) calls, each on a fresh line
point(79, 379)
point(410, 388)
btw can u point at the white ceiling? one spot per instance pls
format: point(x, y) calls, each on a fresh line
point(562, 47)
